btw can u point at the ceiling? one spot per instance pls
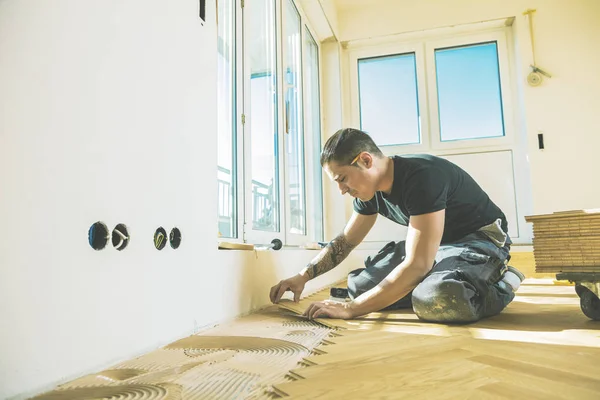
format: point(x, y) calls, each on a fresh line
point(341, 5)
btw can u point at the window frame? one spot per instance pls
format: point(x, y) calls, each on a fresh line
point(246, 232)
point(498, 36)
point(294, 239)
point(238, 137)
point(240, 94)
point(252, 235)
point(309, 153)
point(424, 48)
point(354, 55)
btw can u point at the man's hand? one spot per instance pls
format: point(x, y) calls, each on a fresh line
point(294, 284)
point(330, 309)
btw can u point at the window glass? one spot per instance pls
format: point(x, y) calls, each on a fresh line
point(294, 138)
point(313, 122)
point(226, 89)
point(388, 99)
point(263, 115)
point(469, 96)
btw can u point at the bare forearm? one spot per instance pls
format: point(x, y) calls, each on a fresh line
point(330, 257)
point(404, 278)
point(422, 243)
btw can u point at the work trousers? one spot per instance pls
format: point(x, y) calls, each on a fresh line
point(464, 285)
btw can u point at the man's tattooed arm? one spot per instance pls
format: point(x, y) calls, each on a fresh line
point(330, 257)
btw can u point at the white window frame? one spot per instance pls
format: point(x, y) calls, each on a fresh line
point(310, 137)
point(252, 235)
point(246, 232)
point(498, 36)
point(238, 152)
point(424, 49)
point(293, 239)
point(390, 50)
point(240, 90)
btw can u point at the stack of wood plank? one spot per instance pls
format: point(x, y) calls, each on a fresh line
point(567, 241)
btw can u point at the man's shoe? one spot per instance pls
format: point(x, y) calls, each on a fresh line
point(513, 277)
point(516, 272)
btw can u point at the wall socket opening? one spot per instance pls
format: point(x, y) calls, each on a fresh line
point(175, 238)
point(160, 238)
point(98, 235)
point(203, 10)
point(120, 237)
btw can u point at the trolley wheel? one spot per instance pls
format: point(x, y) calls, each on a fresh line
point(590, 304)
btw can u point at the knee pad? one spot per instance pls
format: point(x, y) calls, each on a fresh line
point(443, 299)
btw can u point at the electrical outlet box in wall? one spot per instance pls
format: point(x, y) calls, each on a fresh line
point(203, 10)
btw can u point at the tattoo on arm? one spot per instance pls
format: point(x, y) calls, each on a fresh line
point(330, 257)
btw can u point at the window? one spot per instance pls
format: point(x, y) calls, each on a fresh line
point(436, 93)
point(468, 91)
point(313, 124)
point(226, 109)
point(269, 129)
point(389, 104)
point(264, 165)
point(294, 137)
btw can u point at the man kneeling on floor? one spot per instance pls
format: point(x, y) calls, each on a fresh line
point(452, 267)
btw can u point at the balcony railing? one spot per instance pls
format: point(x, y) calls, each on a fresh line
point(263, 216)
point(264, 210)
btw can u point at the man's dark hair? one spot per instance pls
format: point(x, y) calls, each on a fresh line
point(346, 144)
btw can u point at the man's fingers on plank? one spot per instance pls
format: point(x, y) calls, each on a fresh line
point(273, 292)
point(280, 292)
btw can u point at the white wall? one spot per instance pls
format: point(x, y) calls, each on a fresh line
point(563, 108)
point(104, 115)
point(108, 112)
point(247, 277)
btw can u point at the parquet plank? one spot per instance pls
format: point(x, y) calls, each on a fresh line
point(561, 390)
point(548, 373)
point(509, 390)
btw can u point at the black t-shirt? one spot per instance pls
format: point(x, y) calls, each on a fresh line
point(425, 184)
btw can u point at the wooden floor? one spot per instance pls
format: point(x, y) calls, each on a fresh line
point(541, 346)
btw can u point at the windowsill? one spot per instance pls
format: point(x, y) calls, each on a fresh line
point(285, 248)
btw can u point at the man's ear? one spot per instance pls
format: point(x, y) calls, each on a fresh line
point(367, 159)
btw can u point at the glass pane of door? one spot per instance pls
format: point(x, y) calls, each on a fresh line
point(226, 111)
point(313, 122)
point(294, 138)
point(388, 99)
point(469, 96)
point(261, 50)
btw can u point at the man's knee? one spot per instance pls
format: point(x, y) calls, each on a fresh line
point(441, 298)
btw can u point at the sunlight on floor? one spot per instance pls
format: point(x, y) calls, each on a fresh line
point(401, 327)
point(547, 300)
point(578, 337)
